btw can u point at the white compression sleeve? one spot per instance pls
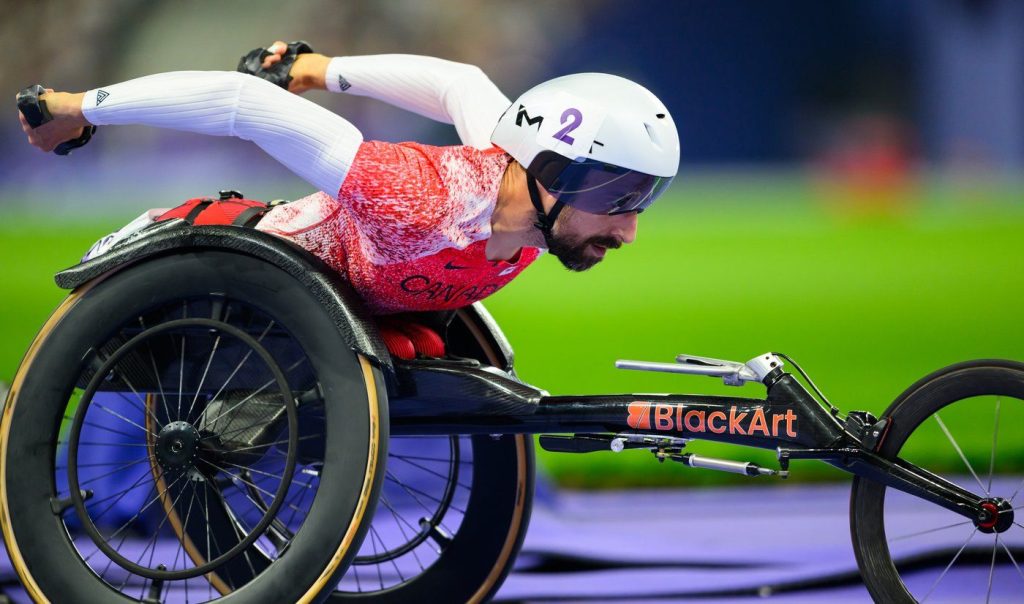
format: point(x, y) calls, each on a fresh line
point(446, 91)
point(311, 141)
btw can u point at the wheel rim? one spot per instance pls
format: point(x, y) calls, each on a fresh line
point(936, 551)
point(199, 456)
point(431, 526)
point(427, 485)
point(428, 482)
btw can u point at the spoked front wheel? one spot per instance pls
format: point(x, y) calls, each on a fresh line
point(966, 424)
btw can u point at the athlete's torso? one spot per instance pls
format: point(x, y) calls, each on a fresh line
point(409, 227)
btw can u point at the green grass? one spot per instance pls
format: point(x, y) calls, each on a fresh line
point(866, 301)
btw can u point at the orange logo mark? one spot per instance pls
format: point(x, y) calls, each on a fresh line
point(639, 416)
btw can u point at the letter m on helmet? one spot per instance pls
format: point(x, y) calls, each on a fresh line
point(529, 121)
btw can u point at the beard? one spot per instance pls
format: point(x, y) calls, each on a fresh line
point(572, 250)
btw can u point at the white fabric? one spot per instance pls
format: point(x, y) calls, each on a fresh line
point(105, 243)
point(446, 91)
point(311, 141)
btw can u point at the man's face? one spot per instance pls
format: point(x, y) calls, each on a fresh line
point(579, 240)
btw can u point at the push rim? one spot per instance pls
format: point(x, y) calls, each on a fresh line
point(227, 479)
point(427, 485)
point(179, 445)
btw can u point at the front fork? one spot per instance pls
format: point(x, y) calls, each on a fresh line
point(855, 452)
point(907, 477)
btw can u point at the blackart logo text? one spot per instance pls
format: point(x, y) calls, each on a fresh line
point(665, 417)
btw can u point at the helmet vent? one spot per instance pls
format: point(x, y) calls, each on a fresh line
point(650, 133)
point(660, 116)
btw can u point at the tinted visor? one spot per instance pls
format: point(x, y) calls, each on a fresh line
point(596, 187)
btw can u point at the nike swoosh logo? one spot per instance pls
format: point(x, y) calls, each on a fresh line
point(453, 267)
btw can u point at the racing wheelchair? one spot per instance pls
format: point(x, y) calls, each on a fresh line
point(222, 391)
point(211, 414)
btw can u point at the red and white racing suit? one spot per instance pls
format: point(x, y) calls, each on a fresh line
point(407, 224)
point(408, 227)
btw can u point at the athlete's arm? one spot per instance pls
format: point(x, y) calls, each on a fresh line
point(446, 91)
point(312, 142)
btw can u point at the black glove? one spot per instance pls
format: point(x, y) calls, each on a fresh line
point(36, 114)
point(252, 62)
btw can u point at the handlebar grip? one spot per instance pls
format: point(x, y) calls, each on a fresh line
point(36, 114)
point(32, 108)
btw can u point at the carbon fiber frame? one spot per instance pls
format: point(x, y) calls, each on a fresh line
point(446, 397)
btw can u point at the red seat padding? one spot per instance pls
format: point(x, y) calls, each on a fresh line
point(399, 344)
point(426, 341)
point(401, 335)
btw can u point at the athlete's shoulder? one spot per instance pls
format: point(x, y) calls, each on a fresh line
point(426, 175)
point(409, 199)
point(412, 151)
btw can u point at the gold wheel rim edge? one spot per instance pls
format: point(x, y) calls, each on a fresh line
point(517, 519)
point(368, 479)
point(17, 560)
point(513, 532)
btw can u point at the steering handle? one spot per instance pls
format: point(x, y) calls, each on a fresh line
point(36, 114)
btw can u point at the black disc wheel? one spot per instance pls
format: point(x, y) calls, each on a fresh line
point(964, 423)
point(193, 428)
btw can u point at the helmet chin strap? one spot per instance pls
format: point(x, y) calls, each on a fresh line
point(545, 220)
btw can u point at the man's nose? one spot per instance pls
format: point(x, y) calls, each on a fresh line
point(625, 229)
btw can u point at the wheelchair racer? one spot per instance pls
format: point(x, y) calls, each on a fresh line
point(566, 168)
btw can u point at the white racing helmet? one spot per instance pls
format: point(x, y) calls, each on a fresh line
point(597, 142)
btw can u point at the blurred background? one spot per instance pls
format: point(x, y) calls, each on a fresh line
point(851, 190)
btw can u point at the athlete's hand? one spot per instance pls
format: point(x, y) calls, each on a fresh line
point(307, 72)
point(276, 50)
point(67, 124)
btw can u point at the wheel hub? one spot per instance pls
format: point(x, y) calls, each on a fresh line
point(177, 445)
point(996, 515)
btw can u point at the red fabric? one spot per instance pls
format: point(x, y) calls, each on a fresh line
point(217, 213)
point(409, 227)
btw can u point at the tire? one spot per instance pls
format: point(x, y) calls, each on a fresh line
point(906, 547)
point(44, 534)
